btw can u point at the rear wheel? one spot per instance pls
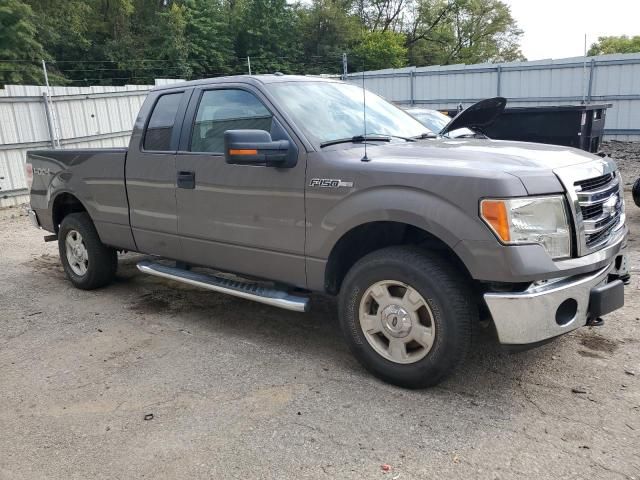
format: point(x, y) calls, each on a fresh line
point(87, 262)
point(407, 315)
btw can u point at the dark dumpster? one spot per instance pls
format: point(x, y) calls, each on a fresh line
point(579, 126)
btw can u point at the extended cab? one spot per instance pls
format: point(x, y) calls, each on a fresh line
point(280, 181)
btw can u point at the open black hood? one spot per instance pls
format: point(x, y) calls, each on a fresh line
point(478, 115)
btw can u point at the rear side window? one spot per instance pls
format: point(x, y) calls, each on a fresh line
point(222, 110)
point(160, 127)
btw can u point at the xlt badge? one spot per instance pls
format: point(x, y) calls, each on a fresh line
point(329, 183)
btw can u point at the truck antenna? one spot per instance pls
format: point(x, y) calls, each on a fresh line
point(364, 115)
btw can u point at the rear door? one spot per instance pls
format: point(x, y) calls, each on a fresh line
point(239, 218)
point(151, 173)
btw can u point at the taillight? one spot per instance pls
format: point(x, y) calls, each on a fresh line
point(28, 173)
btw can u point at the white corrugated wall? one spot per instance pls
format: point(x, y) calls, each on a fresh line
point(611, 79)
point(84, 117)
point(103, 116)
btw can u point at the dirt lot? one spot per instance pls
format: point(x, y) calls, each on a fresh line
point(241, 390)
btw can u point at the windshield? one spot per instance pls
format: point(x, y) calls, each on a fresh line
point(329, 111)
point(432, 119)
point(436, 121)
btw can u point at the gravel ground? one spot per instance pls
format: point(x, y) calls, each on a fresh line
point(627, 156)
point(241, 390)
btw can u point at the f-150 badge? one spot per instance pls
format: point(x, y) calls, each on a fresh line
point(329, 183)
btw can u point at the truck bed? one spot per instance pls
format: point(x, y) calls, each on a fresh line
point(95, 175)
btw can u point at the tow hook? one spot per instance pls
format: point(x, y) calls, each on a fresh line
point(595, 322)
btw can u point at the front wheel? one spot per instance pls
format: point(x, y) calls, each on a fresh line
point(635, 191)
point(88, 263)
point(407, 314)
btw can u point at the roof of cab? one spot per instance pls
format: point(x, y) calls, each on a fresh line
point(252, 79)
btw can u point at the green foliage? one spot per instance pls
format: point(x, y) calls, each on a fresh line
point(149, 41)
point(464, 31)
point(380, 49)
point(329, 28)
point(170, 40)
point(208, 36)
point(77, 34)
point(91, 42)
point(18, 44)
point(268, 31)
point(622, 44)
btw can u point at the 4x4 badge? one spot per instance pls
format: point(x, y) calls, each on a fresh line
point(329, 183)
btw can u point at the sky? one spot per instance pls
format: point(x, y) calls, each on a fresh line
point(556, 28)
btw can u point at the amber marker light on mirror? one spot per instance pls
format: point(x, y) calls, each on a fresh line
point(234, 151)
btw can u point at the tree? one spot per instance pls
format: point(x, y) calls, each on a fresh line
point(463, 31)
point(383, 14)
point(64, 26)
point(148, 40)
point(113, 42)
point(208, 37)
point(328, 28)
point(20, 51)
point(169, 41)
point(425, 17)
point(78, 36)
point(622, 44)
point(380, 49)
point(268, 31)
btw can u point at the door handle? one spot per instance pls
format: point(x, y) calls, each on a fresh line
point(187, 180)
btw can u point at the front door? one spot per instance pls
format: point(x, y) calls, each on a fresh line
point(239, 218)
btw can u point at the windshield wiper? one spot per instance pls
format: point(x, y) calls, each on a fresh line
point(425, 135)
point(356, 139)
point(406, 139)
point(470, 135)
point(374, 137)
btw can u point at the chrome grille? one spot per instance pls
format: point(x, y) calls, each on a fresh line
point(593, 183)
point(601, 207)
point(591, 211)
point(594, 191)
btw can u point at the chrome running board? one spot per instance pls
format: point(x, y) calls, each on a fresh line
point(249, 291)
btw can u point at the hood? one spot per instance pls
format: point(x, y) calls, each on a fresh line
point(477, 116)
point(495, 155)
point(532, 163)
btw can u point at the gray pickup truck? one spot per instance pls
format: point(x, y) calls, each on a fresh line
point(280, 185)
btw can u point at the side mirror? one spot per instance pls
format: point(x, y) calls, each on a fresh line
point(255, 147)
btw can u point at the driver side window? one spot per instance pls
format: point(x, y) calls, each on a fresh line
point(222, 110)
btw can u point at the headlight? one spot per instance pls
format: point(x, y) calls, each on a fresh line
point(541, 220)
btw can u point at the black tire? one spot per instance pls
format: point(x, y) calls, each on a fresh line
point(636, 192)
point(102, 260)
point(445, 289)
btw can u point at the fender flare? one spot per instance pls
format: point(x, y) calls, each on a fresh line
point(54, 196)
point(435, 215)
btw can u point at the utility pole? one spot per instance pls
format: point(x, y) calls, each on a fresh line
point(46, 76)
point(584, 72)
point(344, 66)
point(55, 141)
point(249, 64)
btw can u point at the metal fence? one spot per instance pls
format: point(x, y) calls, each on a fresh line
point(71, 117)
point(86, 117)
point(611, 79)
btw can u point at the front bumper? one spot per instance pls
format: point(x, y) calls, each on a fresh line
point(491, 262)
point(557, 307)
